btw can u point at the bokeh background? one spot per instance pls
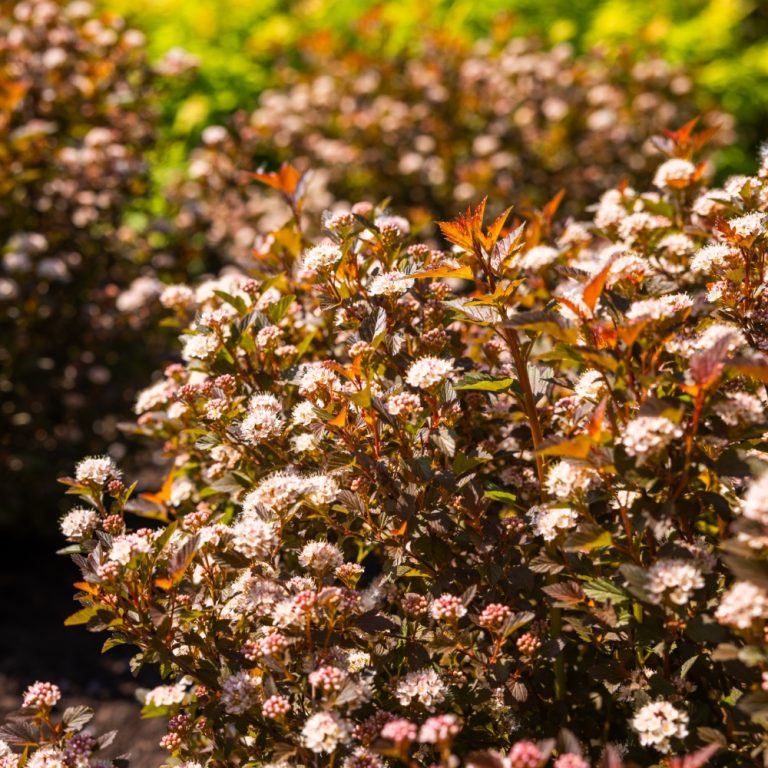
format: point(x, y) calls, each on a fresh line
point(128, 131)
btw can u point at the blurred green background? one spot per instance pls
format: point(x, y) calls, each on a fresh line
point(723, 43)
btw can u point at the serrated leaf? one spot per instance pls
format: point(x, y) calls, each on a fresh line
point(445, 440)
point(566, 593)
point(587, 537)
point(19, 733)
point(574, 448)
point(483, 383)
point(83, 616)
point(276, 312)
point(75, 718)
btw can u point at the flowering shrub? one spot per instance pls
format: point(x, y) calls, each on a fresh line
point(437, 129)
point(425, 506)
point(32, 737)
point(76, 123)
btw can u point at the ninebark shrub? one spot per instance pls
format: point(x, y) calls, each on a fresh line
point(434, 130)
point(77, 125)
point(503, 504)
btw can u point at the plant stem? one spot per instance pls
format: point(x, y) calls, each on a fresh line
point(529, 402)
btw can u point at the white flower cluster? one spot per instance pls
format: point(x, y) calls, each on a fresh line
point(590, 386)
point(279, 491)
point(320, 258)
point(47, 757)
point(748, 226)
point(323, 732)
point(676, 173)
point(79, 523)
point(675, 580)
point(740, 408)
point(713, 257)
point(659, 722)
point(316, 378)
point(424, 686)
point(742, 604)
point(321, 557)
point(166, 695)
point(428, 372)
point(240, 692)
point(571, 478)
point(154, 397)
point(755, 504)
point(201, 346)
point(549, 522)
point(647, 435)
point(539, 256)
point(712, 335)
point(127, 546)
point(659, 308)
point(97, 470)
point(263, 420)
point(254, 537)
point(8, 759)
point(394, 283)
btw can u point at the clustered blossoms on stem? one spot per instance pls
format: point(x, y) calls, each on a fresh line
point(658, 723)
point(34, 737)
point(457, 517)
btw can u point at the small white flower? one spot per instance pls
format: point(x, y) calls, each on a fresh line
point(79, 523)
point(755, 505)
point(743, 604)
point(240, 692)
point(320, 557)
point(569, 478)
point(658, 309)
point(539, 256)
point(166, 695)
point(427, 372)
point(97, 470)
point(548, 522)
point(126, 547)
point(425, 687)
point(659, 722)
point(647, 435)
point(254, 537)
point(676, 173)
point(321, 257)
point(676, 580)
point(199, 347)
point(713, 257)
point(323, 732)
point(394, 283)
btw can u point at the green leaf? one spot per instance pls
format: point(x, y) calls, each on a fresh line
point(83, 616)
point(482, 382)
point(235, 301)
point(498, 494)
point(276, 312)
point(547, 322)
point(603, 590)
point(587, 537)
point(305, 342)
point(463, 463)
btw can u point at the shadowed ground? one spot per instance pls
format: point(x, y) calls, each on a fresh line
point(35, 598)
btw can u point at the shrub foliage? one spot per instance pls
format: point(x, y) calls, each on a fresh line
point(437, 129)
point(500, 504)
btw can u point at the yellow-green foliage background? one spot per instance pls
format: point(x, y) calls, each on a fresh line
point(723, 42)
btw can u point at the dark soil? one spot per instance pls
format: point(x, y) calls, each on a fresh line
point(35, 598)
